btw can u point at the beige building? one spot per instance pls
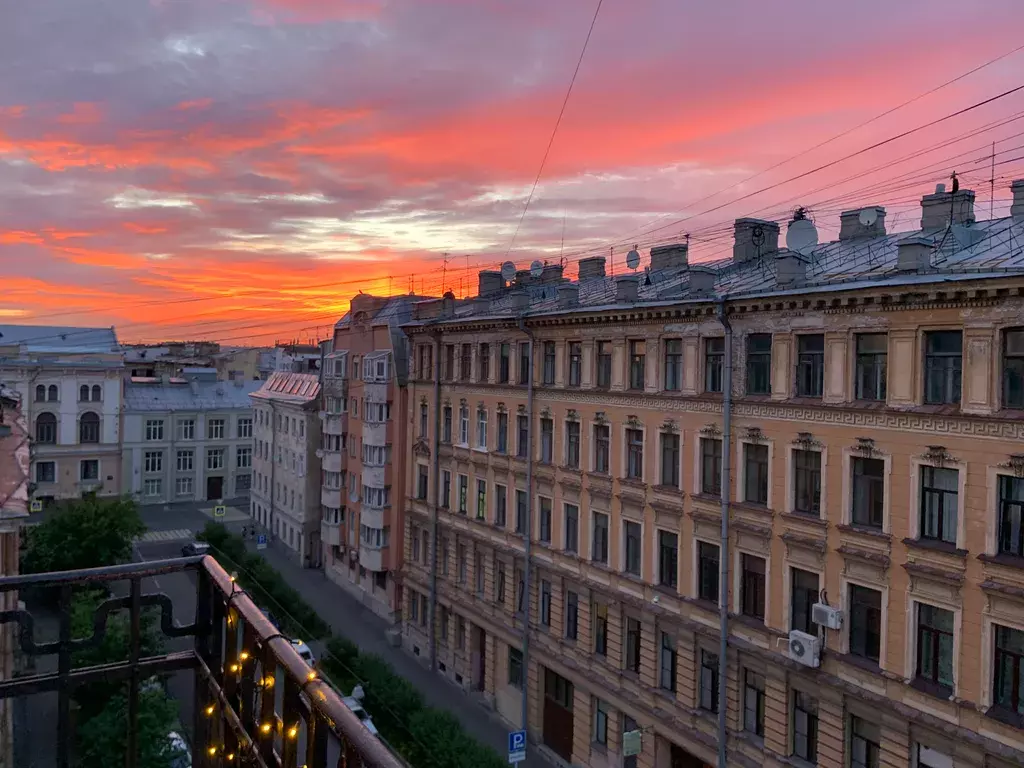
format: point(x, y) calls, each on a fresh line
point(285, 494)
point(69, 380)
point(867, 396)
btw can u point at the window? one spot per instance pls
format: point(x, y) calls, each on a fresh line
point(446, 424)
point(1011, 516)
point(753, 703)
point(46, 428)
point(871, 366)
point(426, 353)
point(184, 461)
point(523, 437)
point(461, 562)
point(707, 571)
point(463, 494)
point(89, 470)
point(154, 429)
point(549, 363)
point(600, 611)
point(46, 472)
point(575, 363)
point(521, 511)
point(423, 419)
point(711, 466)
point(215, 429)
point(243, 457)
point(602, 448)
point(637, 363)
point(422, 482)
point(52, 393)
point(1008, 681)
point(805, 727)
point(709, 681)
point(571, 527)
point(545, 519)
point(1013, 368)
point(547, 441)
point(449, 362)
point(868, 492)
point(803, 593)
point(520, 590)
point(245, 428)
point(481, 499)
point(572, 615)
point(599, 538)
point(600, 723)
point(759, 364)
point(667, 658)
point(634, 546)
point(524, 362)
point(463, 425)
point(153, 461)
point(865, 622)
point(83, 393)
point(484, 374)
point(40, 393)
point(515, 668)
point(670, 460)
point(466, 362)
point(943, 366)
point(572, 444)
point(500, 505)
point(810, 365)
point(752, 586)
point(186, 429)
point(635, 454)
point(668, 559)
point(481, 429)
point(478, 573)
point(603, 363)
point(545, 603)
point(864, 741)
point(714, 364)
point(503, 364)
point(935, 645)
point(499, 587)
point(502, 444)
point(89, 428)
point(807, 482)
point(183, 486)
point(632, 648)
point(673, 364)
point(152, 487)
point(939, 501)
point(755, 468)
point(215, 458)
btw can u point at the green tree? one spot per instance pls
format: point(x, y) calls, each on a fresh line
point(84, 533)
point(103, 739)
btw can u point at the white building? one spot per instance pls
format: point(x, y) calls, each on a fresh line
point(285, 497)
point(69, 381)
point(188, 439)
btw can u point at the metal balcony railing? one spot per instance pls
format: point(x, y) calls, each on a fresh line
point(256, 702)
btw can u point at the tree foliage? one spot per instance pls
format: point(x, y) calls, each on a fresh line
point(84, 533)
point(103, 738)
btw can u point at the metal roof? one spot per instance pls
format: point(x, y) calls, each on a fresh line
point(290, 387)
point(190, 396)
point(55, 338)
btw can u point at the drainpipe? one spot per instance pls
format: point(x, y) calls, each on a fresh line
point(723, 556)
point(527, 535)
point(436, 472)
point(273, 464)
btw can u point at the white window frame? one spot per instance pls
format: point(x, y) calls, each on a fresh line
point(154, 430)
point(659, 448)
point(791, 450)
point(187, 454)
point(156, 483)
point(916, 463)
point(214, 459)
point(216, 428)
point(244, 428)
point(152, 462)
point(624, 452)
point(186, 429)
point(849, 454)
point(240, 452)
point(481, 429)
point(740, 486)
point(184, 486)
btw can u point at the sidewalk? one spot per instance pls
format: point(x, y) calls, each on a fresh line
point(350, 619)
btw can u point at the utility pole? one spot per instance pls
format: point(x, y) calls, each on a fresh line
point(992, 184)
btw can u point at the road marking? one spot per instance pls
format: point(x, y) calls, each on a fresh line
point(178, 534)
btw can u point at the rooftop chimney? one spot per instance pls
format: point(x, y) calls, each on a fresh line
point(490, 283)
point(754, 238)
point(1017, 209)
point(520, 301)
point(852, 226)
point(568, 295)
point(942, 208)
point(552, 273)
point(790, 268)
point(627, 288)
point(669, 256)
point(591, 268)
point(702, 280)
point(914, 254)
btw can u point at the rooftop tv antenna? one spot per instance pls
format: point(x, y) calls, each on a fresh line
point(536, 268)
point(633, 259)
point(508, 271)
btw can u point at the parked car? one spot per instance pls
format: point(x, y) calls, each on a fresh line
point(355, 703)
point(195, 548)
point(305, 652)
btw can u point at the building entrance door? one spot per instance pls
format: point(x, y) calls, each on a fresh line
point(680, 758)
point(214, 488)
point(558, 696)
point(479, 646)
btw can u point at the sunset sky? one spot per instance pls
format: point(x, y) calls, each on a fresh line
point(237, 169)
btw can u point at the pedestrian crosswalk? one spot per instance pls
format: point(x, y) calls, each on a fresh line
point(178, 534)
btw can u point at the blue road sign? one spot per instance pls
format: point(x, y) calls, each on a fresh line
point(261, 541)
point(516, 746)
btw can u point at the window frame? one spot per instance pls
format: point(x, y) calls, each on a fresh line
point(713, 350)
point(637, 365)
point(948, 365)
point(870, 640)
point(753, 591)
point(870, 369)
point(668, 559)
point(670, 447)
point(707, 571)
point(632, 547)
point(710, 476)
point(758, 379)
point(672, 361)
point(757, 483)
point(634, 439)
point(931, 635)
point(1012, 368)
point(801, 599)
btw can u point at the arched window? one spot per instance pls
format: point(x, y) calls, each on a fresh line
point(40, 393)
point(51, 393)
point(46, 428)
point(89, 428)
point(97, 393)
point(83, 393)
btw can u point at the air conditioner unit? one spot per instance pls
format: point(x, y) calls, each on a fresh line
point(804, 649)
point(826, 616)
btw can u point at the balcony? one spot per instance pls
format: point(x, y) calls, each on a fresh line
point(374, 476)
point(331, 497)
point(334, 423)
point(371, 558)
point(331, 461)
point(330, 534)
point(372, 517)
point(238, 660)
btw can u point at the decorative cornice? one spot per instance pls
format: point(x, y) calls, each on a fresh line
point(521, 409)
point(572, 415)
point(866, 447)
point(545, 412)
point(1015, 463)
point(711, 430)
point(938, 455)
point(806, 442)
point(600, 418)
point(755, 435)
point(670, 425)
point(502, 408)
point(633, 422)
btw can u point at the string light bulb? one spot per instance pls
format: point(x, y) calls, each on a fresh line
point(244, 655)
point(234, 667)
point(265, 728)
point(293, 732)
point(234, 577)
point(209, 711)
point(212, 751)
point(230, 756)
point(311, 675)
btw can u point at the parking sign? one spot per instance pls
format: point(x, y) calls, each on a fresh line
point(516, 746)
point(219, 510)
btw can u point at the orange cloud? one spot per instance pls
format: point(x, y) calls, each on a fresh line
point(195, 104)
point(143, 229)
point(82, 113)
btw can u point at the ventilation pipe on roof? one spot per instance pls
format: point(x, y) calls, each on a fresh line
point(914, 254)
point(862, 222)
point(790, 268)
point(672, 256)
point(754, 238)
point(1017, 209)
point(702, 280)
point(592, 268)
point(943, 208)
point(552, 273)
point(568, 295)
point(519, 301)
point(490, 283)
point(627, 288)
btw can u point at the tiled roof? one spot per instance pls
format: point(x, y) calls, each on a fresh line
point(153, 395)
point(290, 387)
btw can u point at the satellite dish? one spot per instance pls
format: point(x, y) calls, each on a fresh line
point(801, 235)
point(536, 269)
point(508, 271)
point(868, 216)
point(633, 258)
